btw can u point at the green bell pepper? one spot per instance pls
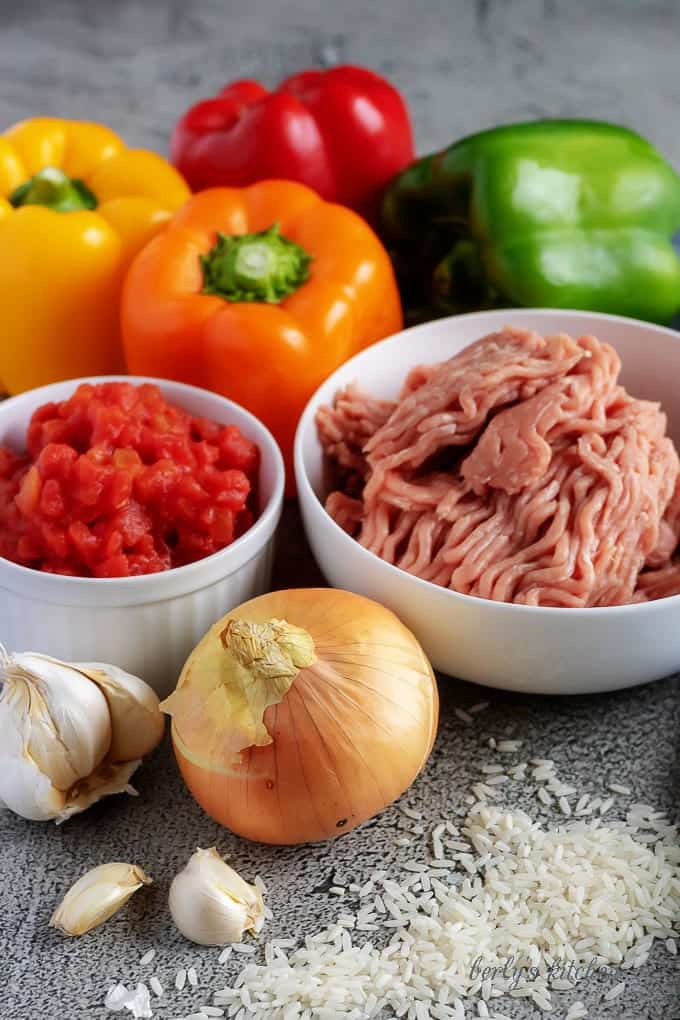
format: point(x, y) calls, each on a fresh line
point(559, 214)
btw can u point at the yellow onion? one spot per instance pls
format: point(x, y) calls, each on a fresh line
point(303, 713)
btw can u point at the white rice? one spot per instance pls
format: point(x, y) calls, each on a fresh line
point(482, 791)
point(614, 992)
point(147, 958)
point(509, 746)
point(614, 888)
point(619, 788)
point(480, 706)
point(137, 1001)
point(435, 929)
point(463, 715)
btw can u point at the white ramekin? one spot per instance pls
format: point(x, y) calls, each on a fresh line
point(523, 648)
point(147, 625)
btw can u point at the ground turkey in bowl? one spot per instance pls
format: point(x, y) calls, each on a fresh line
point(118, 482)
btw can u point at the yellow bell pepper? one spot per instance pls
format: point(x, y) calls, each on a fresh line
point(76, 205)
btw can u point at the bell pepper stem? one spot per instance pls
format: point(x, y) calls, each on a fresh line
point(264, 267)
point(53, 189)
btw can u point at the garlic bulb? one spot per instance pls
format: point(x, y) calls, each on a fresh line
point(96, 896)
point(70, 735)
point(211, 904)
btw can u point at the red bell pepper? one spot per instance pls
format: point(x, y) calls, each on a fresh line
point(344, 132)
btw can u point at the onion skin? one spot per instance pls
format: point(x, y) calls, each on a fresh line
point(348, 738)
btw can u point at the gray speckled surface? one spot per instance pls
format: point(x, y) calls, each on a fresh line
point(462, 65)
point(632, 737)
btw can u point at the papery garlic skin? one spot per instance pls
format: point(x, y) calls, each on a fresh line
point(96, 896)
point(211, 904)
point(108, 779)
point(136, 720)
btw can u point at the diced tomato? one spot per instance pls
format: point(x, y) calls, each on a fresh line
point(28, 496)
point(238, 451)
point(51, 499)
point(121, 483)
point(56, 460)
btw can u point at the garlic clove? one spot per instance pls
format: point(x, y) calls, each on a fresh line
point(24, 789)
point(211, 904)
point(109, 778)
point(96, 896)
point(66, 719)
point(137, 722)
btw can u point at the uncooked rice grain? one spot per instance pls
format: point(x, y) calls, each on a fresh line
point(439, 929)
point(192, 976)
point(180, 979)
point(614, 992)
point(156, 986)
point(147, 958)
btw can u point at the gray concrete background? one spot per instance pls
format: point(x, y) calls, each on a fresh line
point(462, 66)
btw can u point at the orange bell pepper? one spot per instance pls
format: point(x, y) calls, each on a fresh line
point(75, 206)
point(258, 293)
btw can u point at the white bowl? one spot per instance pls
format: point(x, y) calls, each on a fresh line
point(149, 624)
point(523, 648)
